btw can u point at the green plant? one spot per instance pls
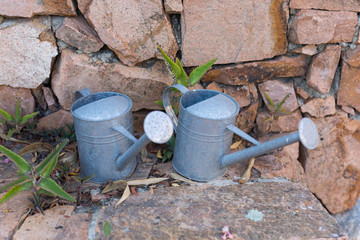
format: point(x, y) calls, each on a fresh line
point(67, 134)
point(107, 229)
point(179, 76)
point(36, 179)
point(178, 73)
point(14, 123)
point(275, 111)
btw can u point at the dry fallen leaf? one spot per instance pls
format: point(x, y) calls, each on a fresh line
point(36, 147)
point(181, 178)
point(235, 145)
point(133, 191)
point(175, 185)
point(143, 154)
point(246, 175)
point(147, 181)
point(125, 195)
point(117, 185)
point(159, 155)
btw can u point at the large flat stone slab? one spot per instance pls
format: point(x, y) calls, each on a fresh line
point(261, 210)
point(234, 31)
point(27, 51)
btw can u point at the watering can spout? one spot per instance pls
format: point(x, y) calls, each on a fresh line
point(307, 134)
point(158, 129)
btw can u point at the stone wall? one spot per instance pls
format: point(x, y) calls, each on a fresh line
point(306, 49)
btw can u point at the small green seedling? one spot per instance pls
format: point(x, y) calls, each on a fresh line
point(107, 229)
point(275, 111)
point(178, 73)
point(36, 179)
point(14, 123)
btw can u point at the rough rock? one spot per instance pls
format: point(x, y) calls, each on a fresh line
point(9, 96)
point(57, 223)
point(27, 52)
point(348, 110)
point(211, 29)
point(333, 5)
point(30, 8)
point(309, 50)
point(133, 29)
point(1, 19)
point(55, 120)
point(320, 107)
point(277, 90)
point(245, 120)
point(251, 211)
point(73, 72)
point(315, 27)
point(240, 93)
point(173, 6)
point(349, 88)
point(284, 122)
point(196, 86)
point(49, 98)
point(350, 221)
point(11, 212)
point(138, 120)
point(78, 33)
point(333, 168)
point(302, 93)
point(39, 97)
point(281, 163)
point(214, 86)
point(322, 69)
point(240, 74)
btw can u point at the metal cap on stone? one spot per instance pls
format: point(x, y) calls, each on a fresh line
point(308, 133)
point(158, 127)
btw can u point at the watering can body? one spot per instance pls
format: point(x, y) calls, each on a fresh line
point(99, 144)
point(204, 132)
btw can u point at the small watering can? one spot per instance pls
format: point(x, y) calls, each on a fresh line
point(104, 133)
point(205, 129)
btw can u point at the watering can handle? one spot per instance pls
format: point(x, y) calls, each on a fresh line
point(167, 104)
point(242, 134)
point(82, 93)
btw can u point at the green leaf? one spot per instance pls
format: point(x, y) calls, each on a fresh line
point(41, 166)
point(12, 192)
point(82, 180)
point(2, 121)
point(50, 167)
point(183, 77)
point(107, 229)
point(51, 186)
point(18, 111)
point(200, 71)
point(19, 161)
point(271, 103)
point(10, 133)
point(20, 181)
point(159, 103)
point(42, 191)
point(175, 68)
point(6, 115)
point(25, 118)
point(283, 110)
point(282, 101)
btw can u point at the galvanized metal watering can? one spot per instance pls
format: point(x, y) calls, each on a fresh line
point(205, 129)
point(104, 132)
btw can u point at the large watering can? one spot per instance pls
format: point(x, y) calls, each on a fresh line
point(205, 129)
point(104, 133)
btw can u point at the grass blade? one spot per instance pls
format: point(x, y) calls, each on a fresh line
point(282, 102)
point(175, 68)
point(200, 71)
point(12, 192)
point(51, 186)
point(41, 166)
point(183, 77)
point(21, 180)
point(19, 161)
point(50, 167)
point(269, 100)
point(10, 133)
point(25, 118)
point(6, 115)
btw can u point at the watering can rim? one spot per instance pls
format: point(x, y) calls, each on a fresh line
point(108, 119)
point(212, 119)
